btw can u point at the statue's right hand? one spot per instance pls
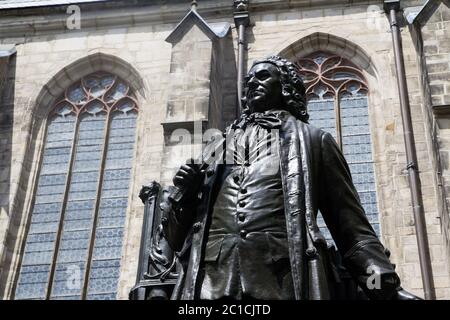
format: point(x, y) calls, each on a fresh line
point(188, 179)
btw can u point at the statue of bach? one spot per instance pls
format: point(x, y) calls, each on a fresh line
point(247, 229)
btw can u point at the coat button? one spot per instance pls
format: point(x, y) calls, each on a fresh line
point(236, 179)
point(243, 191)
point(197, 226)
point(210, 172)
point(241, 217)
point(243, 234)
point(311, 252)
point(164, 221)
point(242, 204)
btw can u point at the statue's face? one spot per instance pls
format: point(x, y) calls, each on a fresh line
point(263, 88)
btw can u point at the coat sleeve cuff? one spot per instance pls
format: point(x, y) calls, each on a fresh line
point(371, 268)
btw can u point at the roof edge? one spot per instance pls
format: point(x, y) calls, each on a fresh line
point(7, 50)
point(420, 15)
point(213, 31)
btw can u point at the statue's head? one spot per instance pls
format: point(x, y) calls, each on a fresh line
point(275, 83)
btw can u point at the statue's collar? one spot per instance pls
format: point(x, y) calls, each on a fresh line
point(270, 119)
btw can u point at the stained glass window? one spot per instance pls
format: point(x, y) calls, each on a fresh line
point(338, 103)
point(74, 242)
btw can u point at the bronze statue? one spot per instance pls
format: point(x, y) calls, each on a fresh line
point(248, 230)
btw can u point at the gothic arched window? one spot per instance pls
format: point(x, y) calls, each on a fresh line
point(74, 242)
point(338, 103)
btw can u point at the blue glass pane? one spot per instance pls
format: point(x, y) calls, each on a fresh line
point(118, 92)
point(104, 277)
point(106, 285)
point(322, 115)
point(76, 297)
point(41, 227)
point(40, 242)
point(95, 107)
point(104, 274)
point(76, 94)
point(108, 243)
point(110, 296)
point(319, 59)
point(31, 290)
point(68, 281)
point(107, 80)
point(357, 148)
point(32, 282)
point(78, 219)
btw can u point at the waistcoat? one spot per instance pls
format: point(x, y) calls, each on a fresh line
point(246, 254)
